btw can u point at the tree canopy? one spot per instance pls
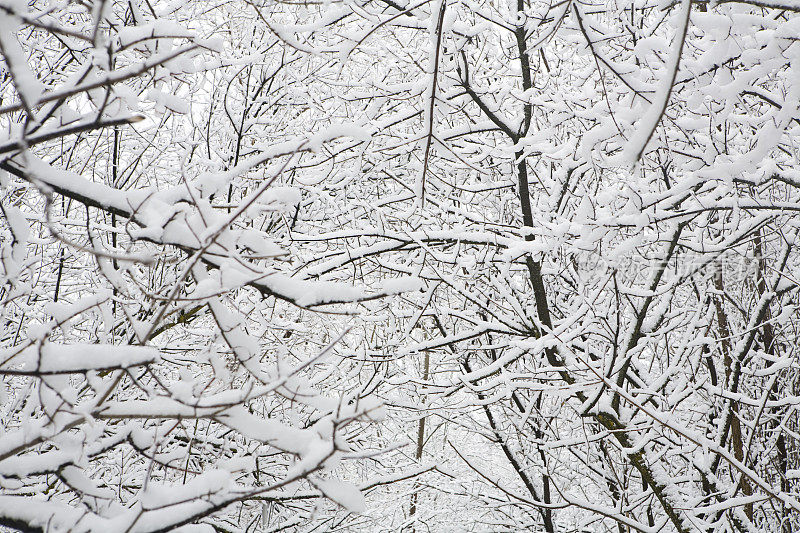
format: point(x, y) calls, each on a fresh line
point(377, 265)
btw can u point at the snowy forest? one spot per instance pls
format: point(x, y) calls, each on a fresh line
point(400, 266)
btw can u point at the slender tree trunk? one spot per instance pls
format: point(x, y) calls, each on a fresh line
point(420, 441)
point(725, 342)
